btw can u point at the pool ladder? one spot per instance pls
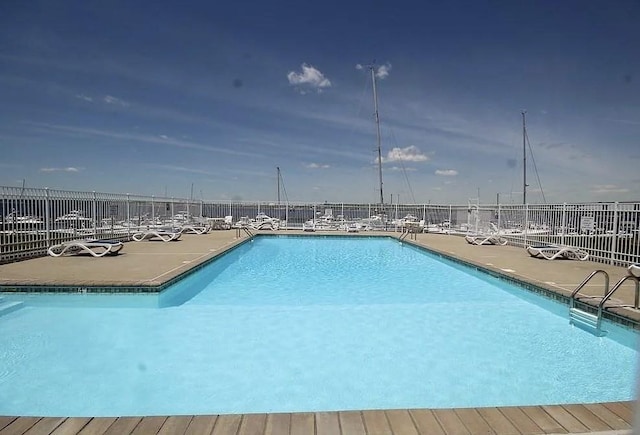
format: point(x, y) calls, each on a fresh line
point(593, 319)
point(246, 230)
point(408, 232)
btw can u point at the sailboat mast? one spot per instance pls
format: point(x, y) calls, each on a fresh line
point(524, 158)
point(375, 105)
point(278, 168)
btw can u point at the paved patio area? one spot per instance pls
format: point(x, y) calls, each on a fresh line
point(145, 263)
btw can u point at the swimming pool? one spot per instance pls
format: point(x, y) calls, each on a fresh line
point(307, 324)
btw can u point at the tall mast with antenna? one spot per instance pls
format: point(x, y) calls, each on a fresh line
point(278, 176)
point(377, 117)
point(524, 158)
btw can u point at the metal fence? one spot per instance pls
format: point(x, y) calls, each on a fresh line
point(33, 219)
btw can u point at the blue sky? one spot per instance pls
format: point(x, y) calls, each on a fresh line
point(150, 98)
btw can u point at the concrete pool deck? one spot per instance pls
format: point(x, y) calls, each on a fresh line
point(150, 264)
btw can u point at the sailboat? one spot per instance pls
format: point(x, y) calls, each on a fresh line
point(377, 119)
point(381, 217)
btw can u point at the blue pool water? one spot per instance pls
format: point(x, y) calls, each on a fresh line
point(307, 324)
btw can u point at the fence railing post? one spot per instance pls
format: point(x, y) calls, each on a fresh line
point(564, 223)
point(614, 239)
point(47, 216)
point(526, 223)
point(128, 216)
point(95, 213)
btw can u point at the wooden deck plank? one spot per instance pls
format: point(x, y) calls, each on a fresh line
point(253, 424)
point(473, 421)
point(327, 423)
point(587, 418)
point(175, 424)
point(97, 426)
point(5, 421)
point(149, 425)
point(520, 420)
point(631, 405)
point(401, 422)
point(123, 426)
point(201, 425)
point(547, 423)
point(622, 410)
point(564, 417)
point(71, 426)
point(426, 422)
point(605, 414)
point(498, 422)
point(351, 423)
point(19, 425)
point(450, 422)
point(227, 424)
point(44, 426)
point(556, 419)
point(278, 424)
point(302, 423)
point(376, 423)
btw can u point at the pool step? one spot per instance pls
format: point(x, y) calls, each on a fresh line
point(582, 318)
point(7, 306)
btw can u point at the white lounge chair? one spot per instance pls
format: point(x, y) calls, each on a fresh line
point(195, 229)
point(164, 235)
point(486, 239)
point(309, 226)
point(260, 226)
point(634, 270)
point(97, 248)
point(553, 252)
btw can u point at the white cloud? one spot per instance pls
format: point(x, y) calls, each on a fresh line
point(408, 154)
point(608, 188)
point(164, 136)
point(309, 77)
point(382, 72)
point(447, 172)
point(69, 169)
point(317, 166)
point(113, 100)
point(84, 97)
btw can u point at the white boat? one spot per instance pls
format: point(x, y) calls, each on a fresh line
point(408, 220)
point(73, 219)
point(14, 218)
point(326, 221)
point(261, 222)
